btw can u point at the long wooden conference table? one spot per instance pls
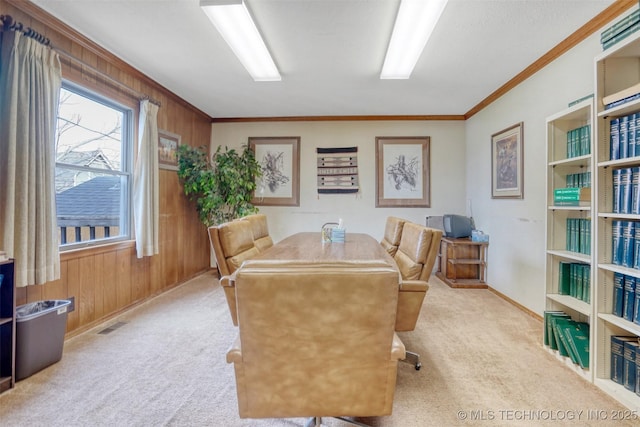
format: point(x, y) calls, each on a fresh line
point(308, 246)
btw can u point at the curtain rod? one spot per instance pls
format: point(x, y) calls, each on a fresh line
point(9, 24)
point(139, 95)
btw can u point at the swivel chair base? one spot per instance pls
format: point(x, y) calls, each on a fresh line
point(317, 422)
point(415, 359)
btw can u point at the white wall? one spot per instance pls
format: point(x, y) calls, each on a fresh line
point(358, 212)
point(517, 227)
point(460, 172)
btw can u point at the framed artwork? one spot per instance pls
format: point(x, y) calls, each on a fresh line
point(402, 172)
point(507, 163)
point(168, 150)
point(279, 159)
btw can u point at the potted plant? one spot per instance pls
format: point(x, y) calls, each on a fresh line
point(221, 185)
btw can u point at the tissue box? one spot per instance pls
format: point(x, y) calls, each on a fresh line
point(338, 235)
point(479, 236)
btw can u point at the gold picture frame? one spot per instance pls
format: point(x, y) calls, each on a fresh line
point(279, 159)
point(168, 144)
point(403, 172)
point(507, 163)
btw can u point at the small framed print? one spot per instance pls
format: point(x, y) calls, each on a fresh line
point(402, 172)
point(168, 150)
point(279, 159)
point(507, 163)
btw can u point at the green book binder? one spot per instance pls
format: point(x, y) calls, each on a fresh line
point(563, 345)
point(546, 331)
point(553, 343)
point(586, 284)
point(577, 336)
point(579, 284)
point(564, 279)
point(572, 196)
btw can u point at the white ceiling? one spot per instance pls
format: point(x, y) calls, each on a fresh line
point(329, 52)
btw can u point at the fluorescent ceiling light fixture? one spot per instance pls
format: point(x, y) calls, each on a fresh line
point(233, 21)
point(414, 24)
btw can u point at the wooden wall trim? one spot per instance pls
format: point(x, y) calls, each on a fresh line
point(600, 20)
point(516, 304)
point(74, 36)
point(336, 118)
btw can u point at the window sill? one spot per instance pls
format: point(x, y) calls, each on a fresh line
point(96, 250)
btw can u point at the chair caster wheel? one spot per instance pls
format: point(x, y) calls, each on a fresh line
point(418, 366)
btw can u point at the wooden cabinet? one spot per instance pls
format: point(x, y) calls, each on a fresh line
point(463, 263)
point(7, 326)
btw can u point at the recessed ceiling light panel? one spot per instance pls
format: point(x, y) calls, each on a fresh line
point(233, 20)
point(415, 22)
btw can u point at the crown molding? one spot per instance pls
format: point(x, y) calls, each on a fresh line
point(335, 118)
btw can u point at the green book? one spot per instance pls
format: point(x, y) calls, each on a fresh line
point(553, 343)
point(564, 279)
point(620, 36)
point(579, 280)
point(575, 239)
point(579, 100)
point(574, 195)
point(587, 244)
point(563, 345)
point(546, 331)
point(583, 236)
point(620, 26)
point(573, 281)
point(571, 144)
point(586, 283)
point(587, 148)
point(577, 336)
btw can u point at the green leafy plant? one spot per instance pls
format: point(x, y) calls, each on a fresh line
point(221, 185)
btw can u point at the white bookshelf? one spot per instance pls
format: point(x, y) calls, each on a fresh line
point(615, 69)
point(559, 165)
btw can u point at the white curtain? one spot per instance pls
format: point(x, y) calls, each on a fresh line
point(30, 81)
point(145, 185)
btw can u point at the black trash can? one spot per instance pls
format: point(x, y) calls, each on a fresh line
point(40, 328)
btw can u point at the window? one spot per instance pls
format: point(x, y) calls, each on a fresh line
point(93, 168)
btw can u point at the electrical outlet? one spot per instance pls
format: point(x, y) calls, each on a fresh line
point(72, 306)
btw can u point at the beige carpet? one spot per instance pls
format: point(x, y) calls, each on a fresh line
point(165, 366)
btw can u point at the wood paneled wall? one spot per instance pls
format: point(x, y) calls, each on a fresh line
point(108, 279)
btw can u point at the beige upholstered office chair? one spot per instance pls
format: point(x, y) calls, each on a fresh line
point(260, 229)
point(232, 244)
point(392, 234)
point(315, 339)
point(415, 257)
